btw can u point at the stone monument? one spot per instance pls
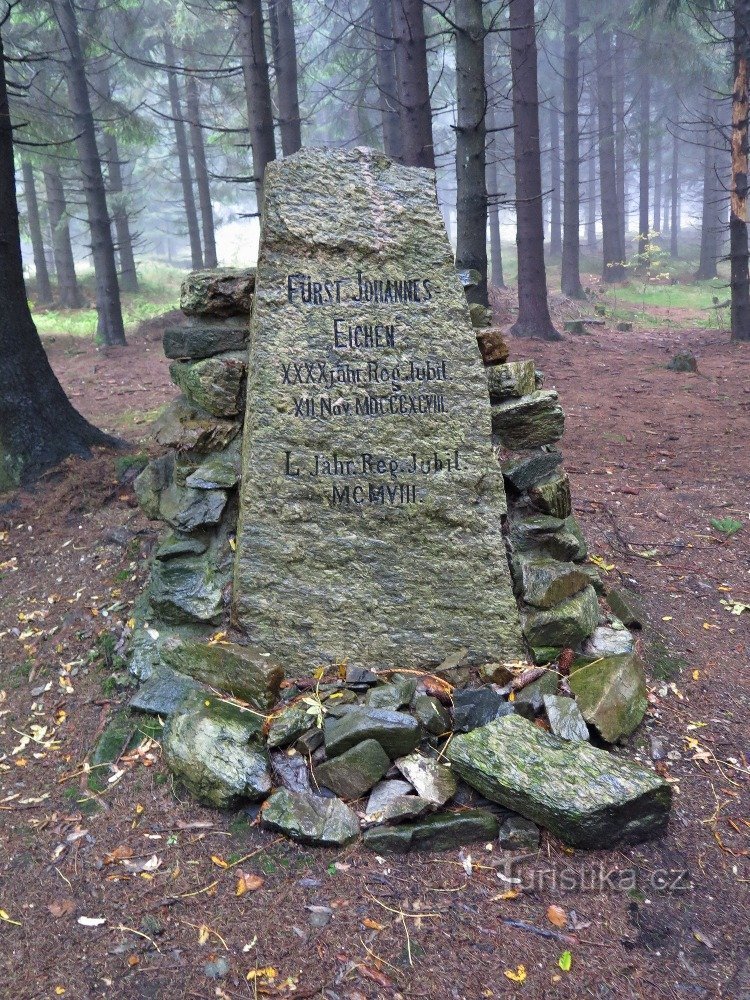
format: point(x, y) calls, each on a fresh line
point(371, 505)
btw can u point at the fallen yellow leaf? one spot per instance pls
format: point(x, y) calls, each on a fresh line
point(519, 976)
point(372, 924)
point(557, 916)
point(219, 862)
point(248, 883)
point(268, 973)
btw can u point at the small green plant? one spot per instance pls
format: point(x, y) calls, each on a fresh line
point(726, 525)
point(315, 706)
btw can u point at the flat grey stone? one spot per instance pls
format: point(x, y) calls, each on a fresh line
point(289, 724)
point(397, 693)
point(355, 771)
point(511, 380)
point(291, 772)
point(475, 707)
point(432, 781)
point(548, 536)
point(244, 671)
point(187, 509)
point(441, 832)
point(185, 589)
point(627, 606)
point(331, 492)
point(385, 792)
point(564, 625)
point(164, 692)
point(397, 732)
point(606, 641)
point(431, 715)
point(546, 582)
point(177, 545)
point(533, 420)
point(533, 694)
point(310, 818)
point(218, 291)
point(585, 796)
point(518, 834)
point(611, 694)
point(202, 341)
point(213, 475)
point(565, 718)
point(523, 472)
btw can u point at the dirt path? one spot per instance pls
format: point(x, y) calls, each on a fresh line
point(653, 456)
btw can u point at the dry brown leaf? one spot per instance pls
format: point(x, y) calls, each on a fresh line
point(62, 907)
point(372, 924)
point(375, 976)
point(557, 916)
point(120, 853)
point(248, 883)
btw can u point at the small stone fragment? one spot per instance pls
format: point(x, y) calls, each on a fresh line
point(214, 383)
point(213, 475)
point(360, 677)
point(611, 694)
point(528, 422)
point(164, 692)
point(185, 590)
point(606, 641)
point(565, 718)
point(204, 340)
point(310, 818)
point(587, 797)
point(431, 715)
point(496, 673)
point(546, 582)
point(627, 606)
point(355, 771)
point(441, 832)
point(396, 732)
point(492, 346)
point(518, 834)
point(432, 781)
point(475, 707)
point(511, 380)
point(150, 483)
point(209, 750)
point(187, 509)
point(288, 725)
point(532, 696)
point(386, 792)
point(394, 695)
point(683, 361)
point(290, 771)
point(521, 473)
point(552, 495)
point(565, 625)
point(180, 545)
point(222, 291)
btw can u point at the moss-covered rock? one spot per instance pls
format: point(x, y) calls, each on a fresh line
point(185, 427)
point(185, 589)
point(244, 671)
point(548, 536)
point(355, 771)
point(611, 694)
point(528, 422)
point(187, 509)
point(442, 832)
point(224, 291)
point(215, 383)
point(546, 582)
point(564, 625)
point(552, 495)
point(521, 473)
point(204, 339)
point(627, 606)
point(585, 796)
point(511, 380)
point(397, 732)
point(310, 818)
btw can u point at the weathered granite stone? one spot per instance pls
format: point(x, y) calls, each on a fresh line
point(186, 509)
point(360, 678)
point(549, 536)
point(511, 380)
point(185, 589)
point(611, 694)
point(528, 422)
point(552, 496)
point(587, 797)
point(546, 582)
point(518, 834)
point(148, 486)
point(398, 809)
point(492, 345)
point(397, 732)
point(180, 545)
point(475, 707)
point(627, 606)
point(532, 696)
point(355, 771)
point(397, 693)
point(185, 426)
point(496, 673)
point(566, 624)
point(481, 316)
point(431, 715)
point(209, 749)
point(225, 291)
point(212, 383)
point(441, 832)
point(213, 475)
point(565, 718)
point(202, 340)
point(164, 692)
point(432, 781)
point(607, 641)
point(290, 772)
point(386, 792)
point(309, 818)
point(289, 724)
point(244, 671)
point(521, 473)
point(594, 577)
point(345, 548)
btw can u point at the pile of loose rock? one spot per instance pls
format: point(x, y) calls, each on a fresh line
point(410, 760)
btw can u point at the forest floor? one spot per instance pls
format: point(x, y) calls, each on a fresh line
point(133, 893)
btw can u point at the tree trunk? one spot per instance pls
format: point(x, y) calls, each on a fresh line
point(183, 159)
point(257, 89)
point(496, 252)
point(471, 190)
point(110, 326)
point(738, 215)
point(570, 282)
point(128, 274)
point(533, 310)
point(281, 19)
point(417, 149)
point(201, 172)
point(555, 220)
point(709, 215)
point(68, 294)
point(385, 64)
point(656, 142)
point(591, 195)
point(612, 248)
point(644, 163)
point(43, 286)
point(38, 425)
point(674, 186)
point(621, 42)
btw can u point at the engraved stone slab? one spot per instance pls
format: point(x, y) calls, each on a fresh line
point(371, 503)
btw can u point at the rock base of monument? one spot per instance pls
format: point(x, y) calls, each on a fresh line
point(410, 758)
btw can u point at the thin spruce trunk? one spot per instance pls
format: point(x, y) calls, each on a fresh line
point(612, 247)
point(415, 112)
point(471, 190)
point(620, 54)
point(68, 293)
point(110, 328)
point(183, 158)
point(591, 196)
point(656, 142)
point(202, 181)
point(257, 89)
point(43, 285)
point(385, 67)
point(38, 425)
point(555, 220)
point(570, 278)
point(496, 251)
point(533, 310)
point(644, 163)
point(738, 212)
point(709, 251)
point(281, 18)
point(674, 182)
point(116, 188)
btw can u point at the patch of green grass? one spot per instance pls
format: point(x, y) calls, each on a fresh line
point(726, 525)
point(124, 463)
point(159, 292)
point(664, 666)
